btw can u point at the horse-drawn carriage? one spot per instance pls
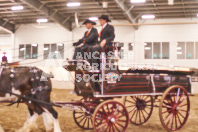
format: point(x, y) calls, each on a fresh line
point(142, 89)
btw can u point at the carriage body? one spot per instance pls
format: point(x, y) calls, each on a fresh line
point(133, 82)
point(169, 87)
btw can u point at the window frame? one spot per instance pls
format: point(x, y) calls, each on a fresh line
point(24, 51)
point(152, 50)
point(50, 51)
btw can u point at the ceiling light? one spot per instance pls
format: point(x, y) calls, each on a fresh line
point(179, 48)
point(171, 2)
point(197, 15)
point(148, 16)
point(34, 45)
point(93, 18)
point(179, 53)
point(60, 44)
point(71, 4)
point(17, 8)
point(22, 49)
point(138, 1)
point(104, 4)
point(41, 20)
point(46, 49)
point(147, 48)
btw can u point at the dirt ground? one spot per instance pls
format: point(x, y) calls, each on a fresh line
point(12, 118)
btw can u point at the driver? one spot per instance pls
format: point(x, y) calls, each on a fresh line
point(106, 36)
point(89, 39)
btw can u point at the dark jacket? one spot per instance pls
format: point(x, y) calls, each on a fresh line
point(108, 34)
point(91, 39)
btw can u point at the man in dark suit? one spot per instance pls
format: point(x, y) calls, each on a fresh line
point(106, 36)
point(89, 39)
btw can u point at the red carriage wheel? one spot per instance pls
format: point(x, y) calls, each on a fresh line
point(110, 116)
point(139, 108)
point(84, 119)
point(174, 108)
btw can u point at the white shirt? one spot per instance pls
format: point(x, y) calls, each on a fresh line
point(89, 30)
point(104, 25)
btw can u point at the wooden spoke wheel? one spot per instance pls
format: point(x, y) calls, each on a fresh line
point(110, 116)
point(139, 108)
point(84, 119)
point(174, 108)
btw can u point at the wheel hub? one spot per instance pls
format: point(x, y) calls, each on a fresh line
point(111, 119)
point(140, 104)
point(175, 109)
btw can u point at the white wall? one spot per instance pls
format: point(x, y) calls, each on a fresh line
point(166, 33)
point(6, 45)
point(53, 33)
point(46, 34)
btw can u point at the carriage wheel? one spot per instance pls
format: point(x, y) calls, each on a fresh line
point(84, 119)
point(140, 108)
point(110, 116)
point(174, 108)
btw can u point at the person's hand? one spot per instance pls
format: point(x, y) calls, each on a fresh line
point(75, 44)
point(102, 44)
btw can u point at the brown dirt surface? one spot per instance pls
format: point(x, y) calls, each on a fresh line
point(12, 118)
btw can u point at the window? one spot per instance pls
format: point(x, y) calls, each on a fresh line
point(21, 51)
point(148, 50)
point(196, 49)
point(156, 50)
point(165, 50)
point(121, 50)
point(28, 51)
point(53, 51)
point(190, 50)
point(186, 50)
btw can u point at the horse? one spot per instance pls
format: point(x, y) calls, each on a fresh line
point(29, 85)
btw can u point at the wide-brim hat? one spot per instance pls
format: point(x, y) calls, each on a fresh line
point(89, 21)
point(105, 17)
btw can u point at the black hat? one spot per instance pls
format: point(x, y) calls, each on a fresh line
point(89, 21)
point(105, 17)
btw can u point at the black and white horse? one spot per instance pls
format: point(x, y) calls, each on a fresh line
point(26, 82)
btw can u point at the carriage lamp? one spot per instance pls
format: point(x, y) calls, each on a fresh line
point(138, 1)
point(17, 8)
point(42, 20)
point(148, 16)
point(72, 4)
point(93, 18)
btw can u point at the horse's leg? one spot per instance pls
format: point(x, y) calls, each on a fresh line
point(30, 124)
point(48, 122)
point(1, 129)
point(54, 115)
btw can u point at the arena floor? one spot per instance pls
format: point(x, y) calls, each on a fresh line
point(12, 118)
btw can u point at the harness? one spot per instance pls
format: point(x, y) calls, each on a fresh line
point(36, 76)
